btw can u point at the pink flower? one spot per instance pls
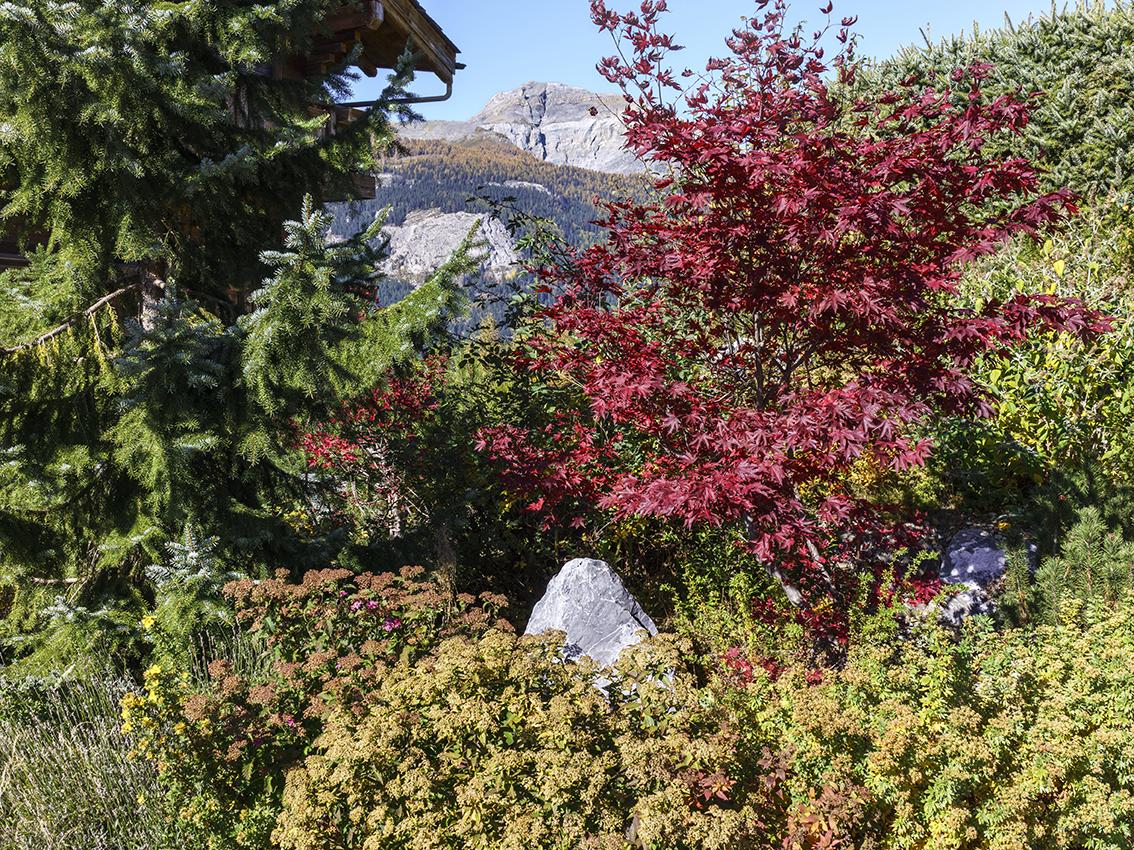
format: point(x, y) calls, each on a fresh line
point(391, 623)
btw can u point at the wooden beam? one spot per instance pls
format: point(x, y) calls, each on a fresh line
point(384, 27)
point(377, 15)
point(12, 260)
point(348, 19)
point(440, 53)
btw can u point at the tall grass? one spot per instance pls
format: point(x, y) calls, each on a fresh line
point(67, 781)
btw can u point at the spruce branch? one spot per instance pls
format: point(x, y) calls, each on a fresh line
point(69, 323)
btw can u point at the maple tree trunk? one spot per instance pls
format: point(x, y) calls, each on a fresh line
point(793, 593)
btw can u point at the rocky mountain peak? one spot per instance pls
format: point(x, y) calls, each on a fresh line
point(557, 123)
point(534, 102)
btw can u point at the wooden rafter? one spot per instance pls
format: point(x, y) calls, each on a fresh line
point(384, 27)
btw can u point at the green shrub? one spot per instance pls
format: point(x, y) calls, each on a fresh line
point(189, 609)
point(1093, 572)
point(1065, 401)
point(1061, 436)
point(490, 743)
point(1077, 56)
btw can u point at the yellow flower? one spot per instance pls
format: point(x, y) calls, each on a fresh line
point(148, 622)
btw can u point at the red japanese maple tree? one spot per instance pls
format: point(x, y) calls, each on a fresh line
point(784, 307)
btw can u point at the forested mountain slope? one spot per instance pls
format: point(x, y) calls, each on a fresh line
point(451, 175)
point(437, 189)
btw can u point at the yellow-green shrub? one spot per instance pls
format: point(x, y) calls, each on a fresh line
point(998, 741)
point(499, 743)
point(222, 743)
point(473, 737)
point(1060, 402)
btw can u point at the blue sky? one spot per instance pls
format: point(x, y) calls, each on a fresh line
point(506, 43)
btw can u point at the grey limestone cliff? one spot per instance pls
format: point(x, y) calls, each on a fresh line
point(560, 124)
point(428, 238)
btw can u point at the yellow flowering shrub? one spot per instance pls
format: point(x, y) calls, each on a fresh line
point(497, 742)
point(173, 731)
point(988, 741)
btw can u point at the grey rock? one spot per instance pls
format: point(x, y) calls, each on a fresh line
point(523, 184)
point(427, 238)
point(587, 600)
point(551, 121)
point(960, 606)
point(973, 557)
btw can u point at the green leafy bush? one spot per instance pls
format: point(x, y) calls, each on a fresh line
point(1069, 401)
point(992, 741)
point(1061, 435)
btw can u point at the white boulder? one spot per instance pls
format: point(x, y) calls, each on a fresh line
point(587, 600)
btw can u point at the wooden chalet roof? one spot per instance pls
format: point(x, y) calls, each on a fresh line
point(384, 27)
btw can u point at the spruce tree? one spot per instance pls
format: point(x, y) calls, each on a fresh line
point(158, 346)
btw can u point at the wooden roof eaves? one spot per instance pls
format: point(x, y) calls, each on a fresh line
point(427, 36)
